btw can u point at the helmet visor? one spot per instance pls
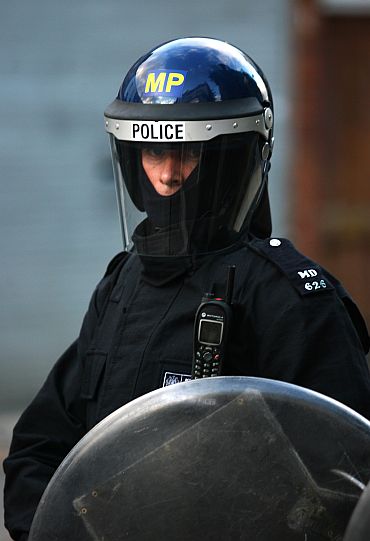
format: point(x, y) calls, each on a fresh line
point(178, 199)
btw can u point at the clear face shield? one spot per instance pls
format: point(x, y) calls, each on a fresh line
point(186, 198)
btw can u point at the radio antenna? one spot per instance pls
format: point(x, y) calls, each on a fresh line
point(230, 284)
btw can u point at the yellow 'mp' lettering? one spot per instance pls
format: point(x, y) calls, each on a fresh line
point(174, 79)
point(154, 84)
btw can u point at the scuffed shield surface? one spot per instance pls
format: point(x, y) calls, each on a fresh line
point(228, 458)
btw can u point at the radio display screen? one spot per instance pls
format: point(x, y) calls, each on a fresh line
point(210, 332)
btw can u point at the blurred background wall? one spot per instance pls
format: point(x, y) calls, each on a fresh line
point(62, 63)
point(330, 206)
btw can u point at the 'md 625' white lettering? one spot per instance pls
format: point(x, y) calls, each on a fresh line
point(315, 285)
point(158, 131)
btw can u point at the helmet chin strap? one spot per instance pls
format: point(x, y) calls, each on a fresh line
point(254, 185)
point(259, 224)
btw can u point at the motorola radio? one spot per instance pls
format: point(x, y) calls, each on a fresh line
point(211, 329)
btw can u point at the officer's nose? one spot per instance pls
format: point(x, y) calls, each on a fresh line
point(171, 169)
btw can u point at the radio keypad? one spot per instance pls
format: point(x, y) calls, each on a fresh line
point(207, 362)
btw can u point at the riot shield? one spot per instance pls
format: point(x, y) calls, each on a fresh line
point(226, 458)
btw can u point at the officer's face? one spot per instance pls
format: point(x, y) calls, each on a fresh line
point(168, 168)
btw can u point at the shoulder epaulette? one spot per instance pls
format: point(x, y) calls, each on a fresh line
point(305, 275)
point(309, 278)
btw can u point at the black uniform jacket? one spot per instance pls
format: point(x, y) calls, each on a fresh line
point(293, 322)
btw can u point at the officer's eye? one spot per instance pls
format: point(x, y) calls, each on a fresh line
point(154, 152)
point(180, 153)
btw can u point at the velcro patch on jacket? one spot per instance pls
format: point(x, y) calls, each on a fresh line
point(170, 378)
point(303, 273)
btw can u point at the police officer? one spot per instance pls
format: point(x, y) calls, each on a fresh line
point(191, 135)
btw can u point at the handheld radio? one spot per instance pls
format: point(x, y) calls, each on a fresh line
point(212, 324)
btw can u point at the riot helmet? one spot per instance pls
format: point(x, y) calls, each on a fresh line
point(191, 135)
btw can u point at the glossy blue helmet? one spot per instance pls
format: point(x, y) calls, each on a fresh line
point(191, 135)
